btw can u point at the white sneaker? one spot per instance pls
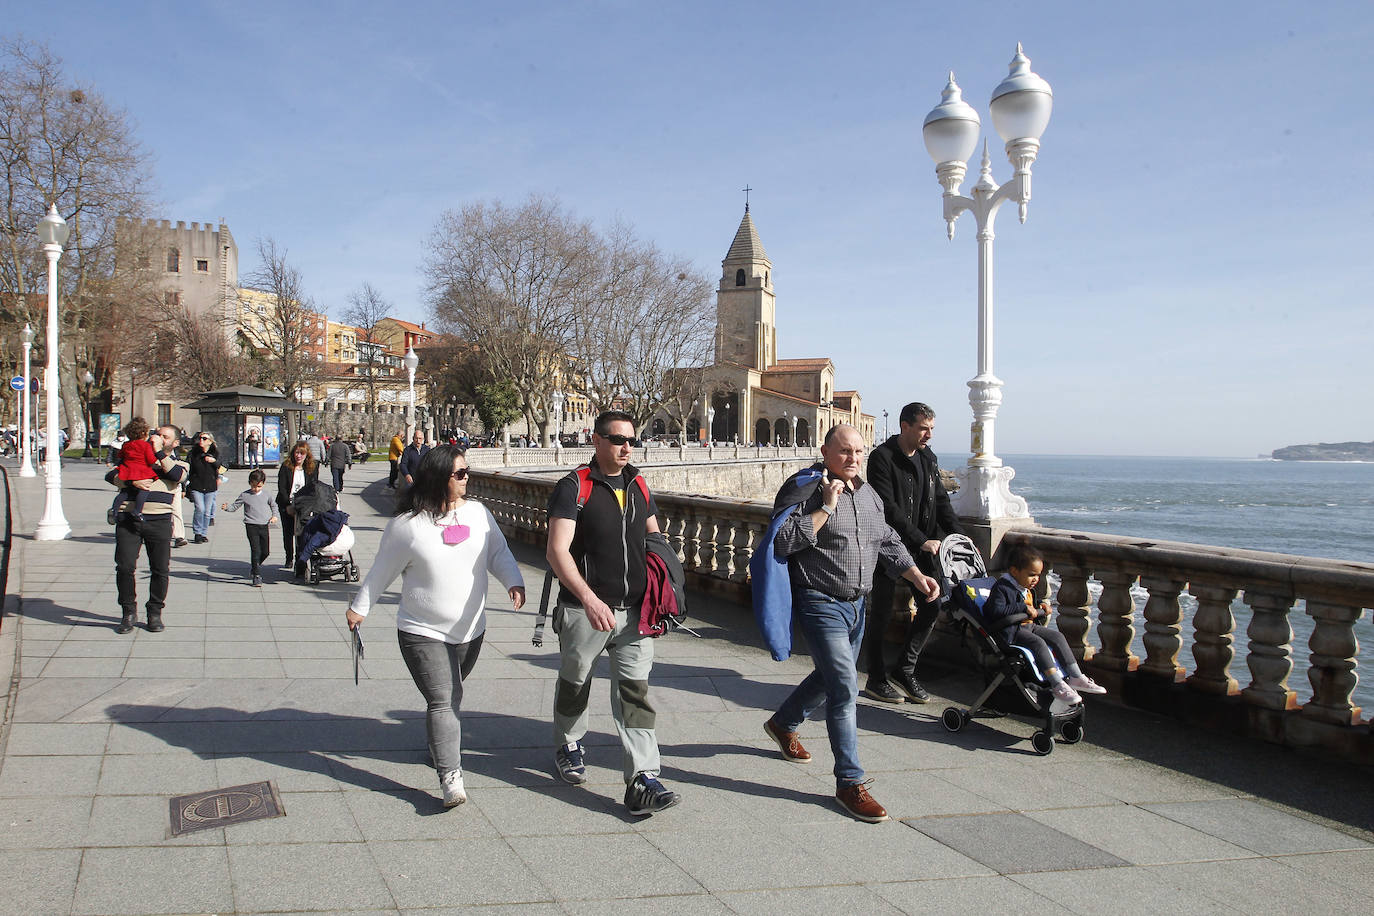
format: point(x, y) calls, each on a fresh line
point(1085, 684)
point(452, 784)
point(1062, 691)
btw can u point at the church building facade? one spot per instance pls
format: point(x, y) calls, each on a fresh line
point(752, 396)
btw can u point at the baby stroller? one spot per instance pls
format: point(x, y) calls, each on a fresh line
point(965, 580)
point(325, 542)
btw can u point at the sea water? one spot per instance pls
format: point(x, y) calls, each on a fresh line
point(1312, 508)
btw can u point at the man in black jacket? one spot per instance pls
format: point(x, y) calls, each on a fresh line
point(340, 458)
point(906, 475)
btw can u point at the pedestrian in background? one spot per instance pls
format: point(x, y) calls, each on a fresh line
point(340, 458)
point(203, 484)
point(398, 445)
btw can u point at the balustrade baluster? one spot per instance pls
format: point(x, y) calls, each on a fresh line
point(725, 547)
point(1074, 607)
point(1213, 624)
point(1163, 616)
point(747, 534)
point(1270, 655)
point(673, 532)
point(1332, 671)
point(691, 542)
point(1116, 621)
point(706, 544)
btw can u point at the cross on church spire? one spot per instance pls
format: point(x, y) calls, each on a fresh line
point(746, 190)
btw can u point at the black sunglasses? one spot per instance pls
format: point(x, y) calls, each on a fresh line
point(618, 440)
point(460, 474)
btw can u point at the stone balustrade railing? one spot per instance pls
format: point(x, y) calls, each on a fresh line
point(1225, 583)
point(715, 537)
point(644, 456)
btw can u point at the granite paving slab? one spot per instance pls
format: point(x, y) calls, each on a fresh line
point(1012, 843)
point(1257, 826)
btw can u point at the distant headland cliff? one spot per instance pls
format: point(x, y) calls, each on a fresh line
point(1327, 451)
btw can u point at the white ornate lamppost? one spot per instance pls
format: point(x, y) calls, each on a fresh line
point(795, 418)
point(26, 409)
point(412, 362)
point(710, 426)
point(52, 232)
point(1020, 107)
point(886, 435)
point(558, 398)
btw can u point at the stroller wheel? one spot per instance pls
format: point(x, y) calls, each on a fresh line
point(1042, 742)
point(953, 719)
point(314, 574)
point(1071, 732)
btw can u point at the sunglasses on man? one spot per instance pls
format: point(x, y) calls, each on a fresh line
point(618, 440)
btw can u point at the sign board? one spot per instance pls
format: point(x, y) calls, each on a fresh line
point(271, 440)
point(17, 383)
point(109, 428)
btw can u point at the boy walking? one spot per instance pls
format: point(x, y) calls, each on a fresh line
point(259, 511)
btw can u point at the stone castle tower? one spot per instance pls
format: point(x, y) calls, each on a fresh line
point(746, 312)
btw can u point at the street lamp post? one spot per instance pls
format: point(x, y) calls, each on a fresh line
point(795, 418)
point(412, 362)
point(885, 432)
point(87, 379)
point(52, 232)
point(1020, 107)
point(711, 426)
point(133, 390)
point(558, 397)
point(26, 409)
point(784, 426)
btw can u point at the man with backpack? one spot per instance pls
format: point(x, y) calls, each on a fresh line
point(599, 519)
point(832, 541)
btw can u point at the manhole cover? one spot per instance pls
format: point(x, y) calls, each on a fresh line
point(222, 807)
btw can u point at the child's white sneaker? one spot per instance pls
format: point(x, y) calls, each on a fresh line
point(1085, 684)
point(1062, 691)
point(452, 784)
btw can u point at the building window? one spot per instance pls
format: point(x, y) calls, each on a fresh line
point(202, 265)
point(739, 277)
point(164, 414)
point(172, 299)
point(173, 261)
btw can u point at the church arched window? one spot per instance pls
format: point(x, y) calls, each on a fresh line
point(765, 278)
point(739, 277)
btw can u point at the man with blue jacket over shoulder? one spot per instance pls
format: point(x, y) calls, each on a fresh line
point(833, 541)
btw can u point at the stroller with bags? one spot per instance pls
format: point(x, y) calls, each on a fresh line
point(1008, 671)
point(324, 540)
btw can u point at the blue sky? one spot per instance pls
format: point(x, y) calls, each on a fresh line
point(1194, 277)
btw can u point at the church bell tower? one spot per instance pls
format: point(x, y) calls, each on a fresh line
point(746, 323)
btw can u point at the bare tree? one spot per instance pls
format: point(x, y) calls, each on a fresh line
point(509, 281)
point(646, 325)
point(281, 331)
point(61, 143)
point(366, 308)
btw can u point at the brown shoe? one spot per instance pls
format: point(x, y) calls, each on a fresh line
point(856, 800)
point(788, 743)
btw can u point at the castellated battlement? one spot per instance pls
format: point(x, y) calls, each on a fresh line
point(181, 226)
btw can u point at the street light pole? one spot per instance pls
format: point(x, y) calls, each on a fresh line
point(412, 362)
point(558, 397)
point(26, 410)
point(1020, 107)
point(885, 432)
point(52, 231)
point(88, 379)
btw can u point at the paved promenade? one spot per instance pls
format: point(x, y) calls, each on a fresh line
point(253, 684)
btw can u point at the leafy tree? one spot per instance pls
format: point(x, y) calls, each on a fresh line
point(498, 404)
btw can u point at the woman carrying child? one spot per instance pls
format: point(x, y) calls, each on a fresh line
point(1010, 610)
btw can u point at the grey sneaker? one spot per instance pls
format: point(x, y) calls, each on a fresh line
point(571, 769)
point(646, 795)
point(452, 785)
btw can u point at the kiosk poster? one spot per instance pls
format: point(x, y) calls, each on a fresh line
point(109, 428)
point(271, 440)
point(252, 424)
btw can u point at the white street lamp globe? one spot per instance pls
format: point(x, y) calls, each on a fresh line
point(26, 335)
point(411, 360)
point(1021, 103)
point(87, 378)
point(52, 229)
point(952, 127)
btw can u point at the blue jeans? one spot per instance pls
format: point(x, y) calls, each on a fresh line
point(834, 631)
point(205, 510)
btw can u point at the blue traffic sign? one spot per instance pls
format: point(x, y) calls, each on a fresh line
point(17, 383)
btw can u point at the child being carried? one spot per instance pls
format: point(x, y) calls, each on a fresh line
point(137, 461)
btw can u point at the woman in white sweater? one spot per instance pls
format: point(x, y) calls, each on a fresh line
point(442, 546)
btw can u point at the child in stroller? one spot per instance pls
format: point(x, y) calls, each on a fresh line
point(324, 540)
point(992, 610)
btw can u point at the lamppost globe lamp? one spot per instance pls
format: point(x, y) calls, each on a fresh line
point(1021, 106)
point(52, 232)
point(26, 409)
point(411, 361)
point(88, 380)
